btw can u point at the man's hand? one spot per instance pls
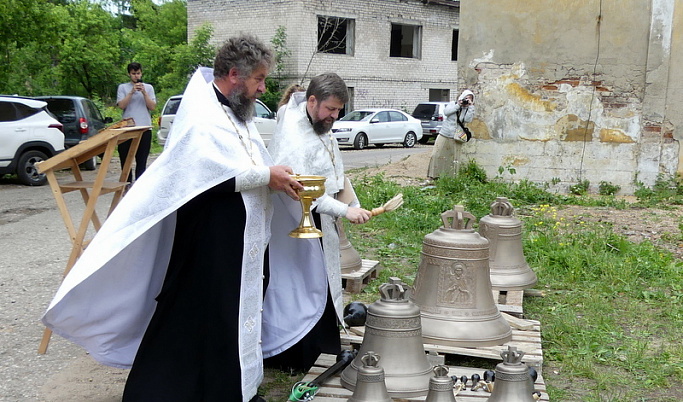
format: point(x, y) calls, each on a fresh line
point(358, 215)
point(280, 180)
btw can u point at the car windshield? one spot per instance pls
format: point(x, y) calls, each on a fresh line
point(357, 115)
point(172, 106)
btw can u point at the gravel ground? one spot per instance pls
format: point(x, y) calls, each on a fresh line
point(36, 247)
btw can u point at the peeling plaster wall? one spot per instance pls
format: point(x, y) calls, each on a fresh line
point(573, 90)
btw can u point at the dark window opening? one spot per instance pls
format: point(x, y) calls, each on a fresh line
point(405, 41)
point(454, 45)
point(335, 35)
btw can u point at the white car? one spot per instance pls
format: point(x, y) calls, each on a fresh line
point(377, 126)
point(264, 119)
point(29, 134)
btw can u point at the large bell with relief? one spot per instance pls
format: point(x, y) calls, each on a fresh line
point(513, 382)
point(349, 258)
point(370, 386)
point(453, 288)
point(393, 331)
point(509, 269)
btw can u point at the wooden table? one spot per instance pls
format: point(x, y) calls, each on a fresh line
point(103, 143)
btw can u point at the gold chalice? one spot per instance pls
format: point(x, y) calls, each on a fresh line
point(314, 187)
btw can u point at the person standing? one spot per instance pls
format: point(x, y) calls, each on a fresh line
point(448, 145)
point(137, 99)
point(172, 283)
point(303, 301)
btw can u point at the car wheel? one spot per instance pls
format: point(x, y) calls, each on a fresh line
point(424, 139)
point(410, 140)
point(379, 145)
point(90, 164)
point(361, 141)
point(27, 171)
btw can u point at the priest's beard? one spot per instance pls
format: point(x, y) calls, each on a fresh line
point(321, 127)
point(241, 106)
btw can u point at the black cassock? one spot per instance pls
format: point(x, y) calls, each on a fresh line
point(190, 350)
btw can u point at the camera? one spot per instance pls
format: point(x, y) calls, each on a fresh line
point(139, 81)
point(465, 101)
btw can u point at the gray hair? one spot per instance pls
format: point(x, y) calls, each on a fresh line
point(328, 84)
point(245, 52)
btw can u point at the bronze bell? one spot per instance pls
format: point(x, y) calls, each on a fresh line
point(393, 330)
point(441, 386)
point(370, 386)
point(349, 257)
point(509, 269)
point(453, 288)
point(513, 382)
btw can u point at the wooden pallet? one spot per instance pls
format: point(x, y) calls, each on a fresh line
point(355, 281)
point(509, 301)
point(526, 336)
point(332, 390)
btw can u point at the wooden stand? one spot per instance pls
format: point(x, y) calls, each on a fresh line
point(105, 143)
point(355, 281)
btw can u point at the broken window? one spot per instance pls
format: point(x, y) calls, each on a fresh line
point(454, 45)
point(405, 41)
point(335, 35)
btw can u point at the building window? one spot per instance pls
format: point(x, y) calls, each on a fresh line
point(454, 46)
point(405, 41)
point(439, 95)
point(335, 35)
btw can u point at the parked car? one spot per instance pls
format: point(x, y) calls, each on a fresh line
point(377, 126)
point(81, 120)
point(264, 119)
point(29, 134)
point(166, 118)
point(432, 117)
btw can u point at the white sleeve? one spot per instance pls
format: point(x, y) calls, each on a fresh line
point(330, 206)
point(257, 176)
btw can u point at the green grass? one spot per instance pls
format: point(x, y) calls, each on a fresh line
point(612, 314)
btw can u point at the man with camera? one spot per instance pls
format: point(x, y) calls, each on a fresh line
point(137, 100)
point(446, 152)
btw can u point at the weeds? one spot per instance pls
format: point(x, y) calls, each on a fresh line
point(612, 317)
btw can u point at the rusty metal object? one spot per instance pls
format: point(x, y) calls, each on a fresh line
point(509, 269)
point(453, 287)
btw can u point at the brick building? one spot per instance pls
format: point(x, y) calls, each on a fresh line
point(391, 53)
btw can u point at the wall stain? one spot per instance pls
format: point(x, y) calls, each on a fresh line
point(571, 128)
point(515, 161)
point(534, 102)
point(614, 135)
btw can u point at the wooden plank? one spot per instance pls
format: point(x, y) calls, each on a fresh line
point(333, 391)
point(107, 186)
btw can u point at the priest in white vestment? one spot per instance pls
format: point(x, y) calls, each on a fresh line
point(303, 303)
point(172, 283)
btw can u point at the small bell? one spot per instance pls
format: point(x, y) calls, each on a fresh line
point(509, 269)
point(350, 260)
point(370, 386)
point(513, 382)
point(440, 386)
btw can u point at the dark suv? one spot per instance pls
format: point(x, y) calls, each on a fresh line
point(81, 120)
point(431, 115)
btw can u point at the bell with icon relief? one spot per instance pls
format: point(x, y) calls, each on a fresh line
point(453, 287)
